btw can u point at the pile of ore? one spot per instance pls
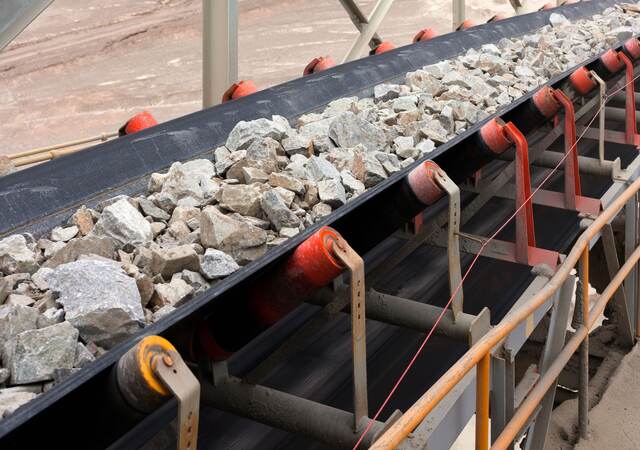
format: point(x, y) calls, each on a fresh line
point(109, 271)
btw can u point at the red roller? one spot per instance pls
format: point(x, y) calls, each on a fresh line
point(547, 6)
point(494, 137)
point(311, 266)
point(546, 103)
point(240, 89)
point(318, 65)
point(632, 48)
point(383, 47)
point(422, 183)
point(424, 35)
point(582, 81)
point(138, 123)
point(611, 61)
point(466, 25)
point(497, 18)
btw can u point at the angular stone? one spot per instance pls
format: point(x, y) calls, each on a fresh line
point(558, 20)
point(156, 180)
point(14, 319)
point(60, 234)
point(389, 162)
point(288, 232)
point(18, 299)
point(425, 82)
point(384, 92)
point(5, 288)
point(167, 261)
point(83, 219)
point(277, 211)
point(150, 209)
point(16, 256)
point(523, 72)
point(286, 195)
point(174, 293)
point(321, 210)
point(332, 193)
point(340, 105)
point(435, 131)
point(295, 144)
point(89, 245)
point(287, 182)
point(83, 356)
point(50, 317)
point(187, 184)
point(216, 264)
point(406, 153)
point(243, 199)
point(254, 175)
point(370, 172)
point(320, 169)
point(38, 353)
point(455, 78)
point(244, 133)
point(405, 103)
point(13, 398)
point(242, 241)
point(349, 130)
point(50, 248)
point(124, 224)
point(99, 299)
point(195, 280)
point(4, 376)
point(351, 183)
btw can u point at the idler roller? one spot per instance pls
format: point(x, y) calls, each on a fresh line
point(240, 89)
point(608, 64)
point(383, 47)
point(424, 35)
point(137, 123)
point(631, 48)
point(582, 81)
point(465, 25)
point(318, 65)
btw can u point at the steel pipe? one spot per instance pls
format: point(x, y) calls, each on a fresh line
point(278, 409)
point(482, 403)
point(425, 404)
point(418, 316)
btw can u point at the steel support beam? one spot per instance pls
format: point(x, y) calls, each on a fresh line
point(368, 30)
point(16, 15)
point(219, 49)
point(359, 20)
point(458, 7)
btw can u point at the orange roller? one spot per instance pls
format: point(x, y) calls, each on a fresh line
point(424, 35)
point(547, 6)
point(582, 81)
point(611, 61)
point(318, 65)
point(384, 46)
point(493, 136)
point(546, 103)
point(632, 48)
point(240, 89)
point(422, 183)
point(138, 123)
point(466, 25)
point(496, 18)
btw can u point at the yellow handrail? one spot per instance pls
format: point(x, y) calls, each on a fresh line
point(428, 401)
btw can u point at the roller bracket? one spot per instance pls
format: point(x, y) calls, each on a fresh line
point(355, 264)
point(178, 378)
point(631, 127)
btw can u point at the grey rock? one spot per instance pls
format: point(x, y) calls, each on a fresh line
point(406, 153)
point(370, 172)
point(16, 256)
point(124, 224)
point(38, 353)
point(5, 288)
point(99, 299)
point(351, 183)
point(277, 211)
point(216, 264)
point(50, 317)
point(340, 105)
point(244, 133)
point(243, 199)
point(288, 232)
point(254, 175)
point(174, 293)
point(389, 162)
point(223, 160)
point(89, 245)
point(156, 180)
point(60, 234)
point(332, 193)
point(195, 280)
point(321, 210)
point(12, 398)
point(187, 184)
point(14, 319)
point(4, 376)
point(18, 299)
point(287, 182)
point(40, 278)
point(425, 82)
point(349, 130)
point(320, 169)
point(164, 311)
point(406, 103)
point(242, 241)
point(558, 20)
point(295, 144)
point(384, 92)
point(83, 356)
point(167, 261)
point(150, 209)
point(435, 131)
point(523, 72)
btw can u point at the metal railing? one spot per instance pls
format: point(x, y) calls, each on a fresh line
point(479, 354)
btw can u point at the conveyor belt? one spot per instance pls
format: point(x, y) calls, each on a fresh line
point(36, 199)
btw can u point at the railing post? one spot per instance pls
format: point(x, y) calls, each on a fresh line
point(582, 302)
point(482, 403)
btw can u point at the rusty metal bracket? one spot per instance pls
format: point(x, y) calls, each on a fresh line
point(603, 99)
point(453, 243)
point(355, 264)
point(178, 378)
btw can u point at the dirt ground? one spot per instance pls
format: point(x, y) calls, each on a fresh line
point(84, 67)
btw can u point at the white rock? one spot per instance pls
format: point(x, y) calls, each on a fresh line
point(216, 264)
point(123, 223)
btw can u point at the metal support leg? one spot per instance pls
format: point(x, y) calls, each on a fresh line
point(555, 341)
point(219, 49)
point(630, 242)
point(459, 15)
point(498, 396)
point(582, 302)
point(631, 126)
point(453, 244)
point(355, 264)
point(379, 12)
point(359, 20)
point(603, 95)
point(571, 170)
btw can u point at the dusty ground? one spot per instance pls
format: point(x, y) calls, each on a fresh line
point(84, 67)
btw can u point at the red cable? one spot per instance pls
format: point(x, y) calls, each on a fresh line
point(473, 262)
